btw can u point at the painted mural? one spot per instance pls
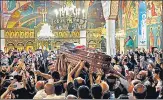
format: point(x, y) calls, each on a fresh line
point(95, 15)
point(133, 27)
point(24, 13)
point(30, 13)
point(7, 8)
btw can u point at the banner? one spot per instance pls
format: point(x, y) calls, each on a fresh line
point(142, 30)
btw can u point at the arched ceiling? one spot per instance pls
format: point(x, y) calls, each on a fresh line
point(28, 13)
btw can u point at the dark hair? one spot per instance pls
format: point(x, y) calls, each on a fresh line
point(87, 64)
point(77, 85)
point(56, 75)
point(96, 91)
point(58, 89)
point(125, 60)
point(31, 73)
point(106, 95)
point(157, 70)
point(71, 89)
point(139, 94)
point(83, 92)
point(18, 78)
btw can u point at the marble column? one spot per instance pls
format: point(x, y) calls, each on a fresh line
point(83, 37)
point(108, 50)
point(110, 11)
point(110, 37)
point(2, 42)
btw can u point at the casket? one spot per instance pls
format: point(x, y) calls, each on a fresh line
point(94, 58)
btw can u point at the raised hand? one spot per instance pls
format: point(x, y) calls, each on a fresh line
point(10, 87)
point(37, 72)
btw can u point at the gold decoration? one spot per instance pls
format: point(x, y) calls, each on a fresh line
point(19, 33)
point(114, 9)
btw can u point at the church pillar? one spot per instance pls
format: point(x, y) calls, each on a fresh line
point(110, 37)
point(162, 28)
point(2, 42)
point(108, 51)
point(110, 11)
point(83, 37)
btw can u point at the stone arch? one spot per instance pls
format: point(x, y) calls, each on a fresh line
point(10, 44)
point(29, 43)
point(92, 44)
point(20, 44)
point(57, 44)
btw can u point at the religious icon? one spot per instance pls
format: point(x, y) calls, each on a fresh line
point(151, 36)
point(149, 10)
point(103, 43)
point(158, 38)
point(143, 27)
point(153, 10)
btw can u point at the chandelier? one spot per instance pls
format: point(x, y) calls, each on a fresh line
point(45, 32)
point(70, 17)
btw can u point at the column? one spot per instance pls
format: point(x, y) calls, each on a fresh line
point(108, 51)
point(83, 37)
point(2, 43)
point(110, 37)
point(162, 29)
point(112, 40)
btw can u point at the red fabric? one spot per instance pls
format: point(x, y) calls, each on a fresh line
point(153, 10)
point(79, 47)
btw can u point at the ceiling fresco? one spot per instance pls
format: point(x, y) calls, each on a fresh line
point(95, 15)
point(29, 13)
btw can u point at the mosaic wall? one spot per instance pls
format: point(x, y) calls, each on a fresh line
point(29, 13)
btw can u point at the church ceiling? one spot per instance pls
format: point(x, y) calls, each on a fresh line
point(28, 13)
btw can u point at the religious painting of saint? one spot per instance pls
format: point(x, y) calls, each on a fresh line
point(158, 38)
point(103, 44)
point(153, 12)
point(151, 38)
point(148, 10)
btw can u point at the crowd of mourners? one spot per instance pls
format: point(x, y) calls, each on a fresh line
point(34, 75)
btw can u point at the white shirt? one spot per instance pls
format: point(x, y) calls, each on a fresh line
point(40, 94)
point(53, 96)
point(14, 73)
